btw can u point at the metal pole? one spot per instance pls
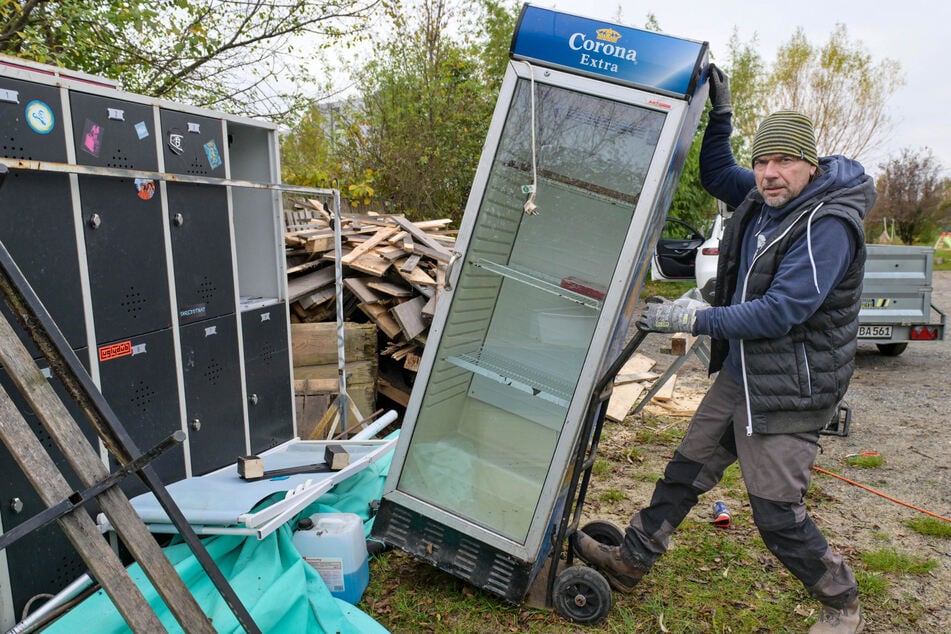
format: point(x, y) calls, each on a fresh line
point(343, 400)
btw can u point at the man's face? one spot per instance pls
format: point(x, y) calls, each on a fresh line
point(780, 177)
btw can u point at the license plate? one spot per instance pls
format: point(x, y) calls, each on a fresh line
point(875, 332)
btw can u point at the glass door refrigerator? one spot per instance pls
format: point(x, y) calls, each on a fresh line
point(586, 145)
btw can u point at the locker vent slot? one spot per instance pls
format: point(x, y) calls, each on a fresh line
point(207, 290)
point(120, 161)
point(14, 152)
point(133, 302)
point(142, 397)
point(213, 373)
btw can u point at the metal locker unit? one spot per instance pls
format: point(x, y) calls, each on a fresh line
point(121, 244)
point(201, 251)
point(36, 214)
point(270, 408)
point(45, 558)
point(213, 405)
point(140, 384)
point(578, 170)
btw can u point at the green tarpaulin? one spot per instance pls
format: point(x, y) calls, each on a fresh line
point(280, 590)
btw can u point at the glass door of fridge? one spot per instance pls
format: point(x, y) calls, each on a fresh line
point(526, 303)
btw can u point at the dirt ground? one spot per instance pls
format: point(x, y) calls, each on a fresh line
point(900, 409)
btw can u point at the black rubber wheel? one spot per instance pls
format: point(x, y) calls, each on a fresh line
point(582, 595)
point(604, 532)
point(891, 349)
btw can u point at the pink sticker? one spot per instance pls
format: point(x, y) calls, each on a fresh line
point(92, 138)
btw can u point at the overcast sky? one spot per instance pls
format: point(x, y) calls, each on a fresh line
point(915, 33)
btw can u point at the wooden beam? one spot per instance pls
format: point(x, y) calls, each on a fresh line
point(365, 247)
point(359, 287)
point(421, 236)
point(409, 318)
point(305, 284)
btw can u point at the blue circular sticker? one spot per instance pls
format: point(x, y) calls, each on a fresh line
point(39, 117)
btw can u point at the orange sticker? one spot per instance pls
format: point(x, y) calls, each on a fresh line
point(115, 350)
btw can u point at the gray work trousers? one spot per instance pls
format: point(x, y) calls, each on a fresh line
point(776, 469)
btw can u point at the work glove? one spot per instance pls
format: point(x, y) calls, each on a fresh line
point(719, 90)
point(664, 315)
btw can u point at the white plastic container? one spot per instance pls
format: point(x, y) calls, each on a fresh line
point(335, 545)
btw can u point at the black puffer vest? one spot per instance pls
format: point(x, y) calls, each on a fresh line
point(806, 371)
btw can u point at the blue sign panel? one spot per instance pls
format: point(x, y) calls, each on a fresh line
point(619, 53)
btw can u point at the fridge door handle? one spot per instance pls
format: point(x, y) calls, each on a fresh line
point(447, 283)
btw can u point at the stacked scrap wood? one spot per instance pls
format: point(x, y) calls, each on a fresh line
point(392, 272)
point(316, 379)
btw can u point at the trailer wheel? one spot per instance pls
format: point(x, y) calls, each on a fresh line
point(891, 349)
point(604, 532)
point(582, 595)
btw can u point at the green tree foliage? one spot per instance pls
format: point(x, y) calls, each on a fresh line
point(748, 90)
point(840, 87)
point(232, 55)
point(426, 100)
point(911, 195)
point(306, 154)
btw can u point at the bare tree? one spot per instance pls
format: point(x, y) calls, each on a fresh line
point(840, 88)
point(910, 194)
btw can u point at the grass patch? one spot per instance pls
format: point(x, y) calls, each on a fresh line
point(612, 495)
point(865, 461)
point(658, 430)
point(930, 526)
point(942, 260)
point(670, 290)
point(601, 467)
point(634, 454)
point(889, 560)
point(872, 585)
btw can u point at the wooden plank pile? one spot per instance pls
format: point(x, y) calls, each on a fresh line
point(392, 272)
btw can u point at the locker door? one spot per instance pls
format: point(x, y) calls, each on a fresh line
point(267, 372)
point(201, 251)
point(192, 144)
point(213, 401)
point(110, 132)
point(43, 561)
point(125, 249)
point(139, 383)
point(36, 215)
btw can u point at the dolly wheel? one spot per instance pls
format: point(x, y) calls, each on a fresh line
point(582, 595)
point(604, 532)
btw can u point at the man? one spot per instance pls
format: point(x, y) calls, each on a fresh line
point(783, 326)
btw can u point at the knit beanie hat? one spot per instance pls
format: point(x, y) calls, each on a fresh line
point(786, 132)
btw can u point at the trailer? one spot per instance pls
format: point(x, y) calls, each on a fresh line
point(896, 298)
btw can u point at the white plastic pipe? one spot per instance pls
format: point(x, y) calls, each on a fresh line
point(375, 427)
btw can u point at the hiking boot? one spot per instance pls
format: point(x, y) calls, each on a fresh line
point(847, 620)
point(620, 568)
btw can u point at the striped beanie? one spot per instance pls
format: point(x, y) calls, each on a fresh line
point(786, 132)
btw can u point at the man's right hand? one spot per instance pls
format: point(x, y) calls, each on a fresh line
point(719, 90)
